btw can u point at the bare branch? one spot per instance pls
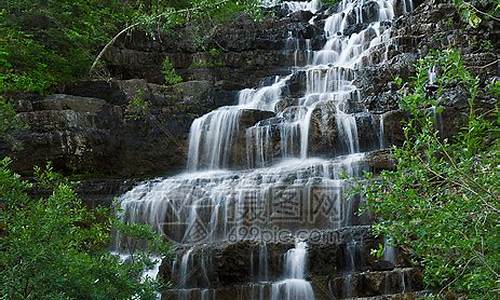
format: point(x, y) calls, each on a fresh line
point(164, 14)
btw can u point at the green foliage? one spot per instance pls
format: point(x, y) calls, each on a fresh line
point(398, 81)
point(330, 2)
point(472, 15)
point(9, 124)
point(169, 74)
point(379, 252)
point(8, 118)
point(55, 248)
point(206, 64)
point(448, 23)
point(442, 201)
point(494, 89)
point(215, 53)
point(221, 11)
point(48, 42)
point(212, 60)
point(487, 45)
point(138, 108)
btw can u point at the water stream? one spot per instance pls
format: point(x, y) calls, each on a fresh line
point(238, 174)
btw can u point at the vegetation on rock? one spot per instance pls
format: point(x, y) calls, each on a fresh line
point(8, 118)
point(442, 201)
point(44, 43)
point(9, 124)
point(471, 14)
point(169, 74)
point(138, 108)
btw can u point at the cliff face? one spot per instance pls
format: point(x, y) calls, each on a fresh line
point(84, 129)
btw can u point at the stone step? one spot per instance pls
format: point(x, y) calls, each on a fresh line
point(243, 292)
point(376, 283)
point(368, 286)
point(222, 264)
point(399, 296)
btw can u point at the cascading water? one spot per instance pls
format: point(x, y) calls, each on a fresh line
point(294, 287)
point(293, 6)
point(211, 204)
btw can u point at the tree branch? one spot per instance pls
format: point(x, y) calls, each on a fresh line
point(164, 14)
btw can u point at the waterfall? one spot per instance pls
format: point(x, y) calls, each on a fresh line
point(381, 135)
point(218, 128)
point(213, 135)
point(294, 286)
point(293, 6)
point(248, 182)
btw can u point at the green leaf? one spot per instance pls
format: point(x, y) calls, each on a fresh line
point(474, 20)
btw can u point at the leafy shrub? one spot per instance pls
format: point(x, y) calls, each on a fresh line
point(9, 124)
point(169, 74)
point(138, 108)
point(48, 42)
point(55, 248)
point(442, 201)
point(398, 81)
point(472, 15)
point(214, 52)
point(8, 118)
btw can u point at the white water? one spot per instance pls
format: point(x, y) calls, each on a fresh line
point(293, 6)
point(294, 286)
point(215, 200)
point(208, 203)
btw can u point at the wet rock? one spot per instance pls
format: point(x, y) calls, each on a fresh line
point(368, 131)
point(383, 102)
point(320, 259)
point(248, 118)
point(296, 86)
point(333, 134)
point(456, 97)
point(102, 192)
point(285, 103)
point(380, 160)
point(377, 283)
point(244, 47)
point(393, 122)
point(230, 264)
point(359, 20)
point(300, 16)
point(324, 136)
point(403, 6)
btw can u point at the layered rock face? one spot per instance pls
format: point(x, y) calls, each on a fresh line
point(92, 137)
point(229, 53)
point(263, 211)
point(273, 128)
point(83, 130)
point(91, 134)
